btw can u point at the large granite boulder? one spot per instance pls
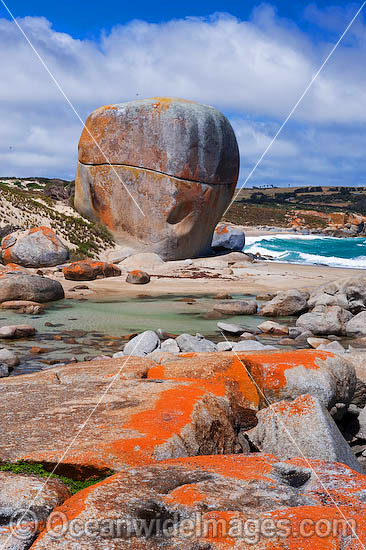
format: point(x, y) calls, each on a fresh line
point(21, 286)
point(325, 320)
point(158, 173)
point(89, 270)
point(38, 247)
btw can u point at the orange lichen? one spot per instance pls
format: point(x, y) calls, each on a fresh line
point(157, 425)
point(187, 495)
point(268, 369)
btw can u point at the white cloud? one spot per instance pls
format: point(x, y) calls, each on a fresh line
point(252, 70)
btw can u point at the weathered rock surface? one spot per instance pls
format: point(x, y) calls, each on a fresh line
point(9, 357)
point(324, 320)
point(28, 499)
point(89, 270)
point(139, 420)
point(181, 175)
point(237, 307)
point(287, 375)
point(189, 343)
point(21, 286)
point(226, 237)
point(230, 328)
point(304, 428)
point(11, 332)
point(270, 327)
point(206, 502)
point(38, 247)
point(141, 345)
point(4, 370)
point(24, 306)
point(357, 325)
point(138, 277)
point(349, 294)
point(287, 302)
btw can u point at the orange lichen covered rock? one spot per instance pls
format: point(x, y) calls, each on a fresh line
point(89, 270)
point(158, 173)
point(217, 503)
point(225, 368)
point(38, 247)
point(138, 421)
point(289, 374)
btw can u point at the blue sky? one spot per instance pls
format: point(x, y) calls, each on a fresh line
point(251, 60)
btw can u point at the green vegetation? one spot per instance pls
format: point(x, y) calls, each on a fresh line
point(33, 206)
point(74, 486)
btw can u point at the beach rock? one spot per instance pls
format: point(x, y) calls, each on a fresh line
point(324, 299)
point(237, 307)
point(227, 237)
point(17, 331)
point(294, 332)
point(287, 302)
point(252, 345)
point(37, 247)
point(270, 327)
point(248, 336)
point(9, 358)
point(169, 346)
point(324, 320)
point(23, 306)
point(316, 342)
point(141, 345)
point(139, 421)
point(20, 286)
point(225, 346)
point(188, 343)
point(357, 325)
point(180, 177)
point(285, 375)
point(267, 296)
point(144, 260)
point(222, 296)
point(362, 424)
point(138, 277)
point(89, 270)
point(334, 347)
point(204, 502)
point(230, 328)
point(30, 499)
point(4, 370)
point(302, 427)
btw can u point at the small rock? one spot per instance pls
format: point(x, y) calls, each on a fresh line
point(188, 261)
point(316, 342)
point(170, 346)
point(225, 346)
point(248, 336)
point(142, 344)
point(357, 325)
point(286, 342)
point(17, 331)
point(227, 237)
point(138, 277)
point(230, 328)
point(267, 296)
point(324, 320)
point(334, 347)
point(222, 296)
point(188, 343)
point(89, 270)
point(4, 370)
point(270, 327)
point(251, 345)
point(9, 358)
point(237, 307)
point(294, 332)
point(288, 302)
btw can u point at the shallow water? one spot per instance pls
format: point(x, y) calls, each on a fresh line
point(101, 324)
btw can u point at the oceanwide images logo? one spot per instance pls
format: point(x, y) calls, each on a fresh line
point(210, 525)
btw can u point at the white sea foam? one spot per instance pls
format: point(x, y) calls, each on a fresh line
point(359, 262)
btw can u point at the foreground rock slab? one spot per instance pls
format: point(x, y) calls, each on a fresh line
point(138, 421)
point(204, 503)
point(301, 428)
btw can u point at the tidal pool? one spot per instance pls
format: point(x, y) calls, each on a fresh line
point(90, 328)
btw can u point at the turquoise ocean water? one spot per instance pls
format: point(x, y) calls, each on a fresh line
point(310, 249)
